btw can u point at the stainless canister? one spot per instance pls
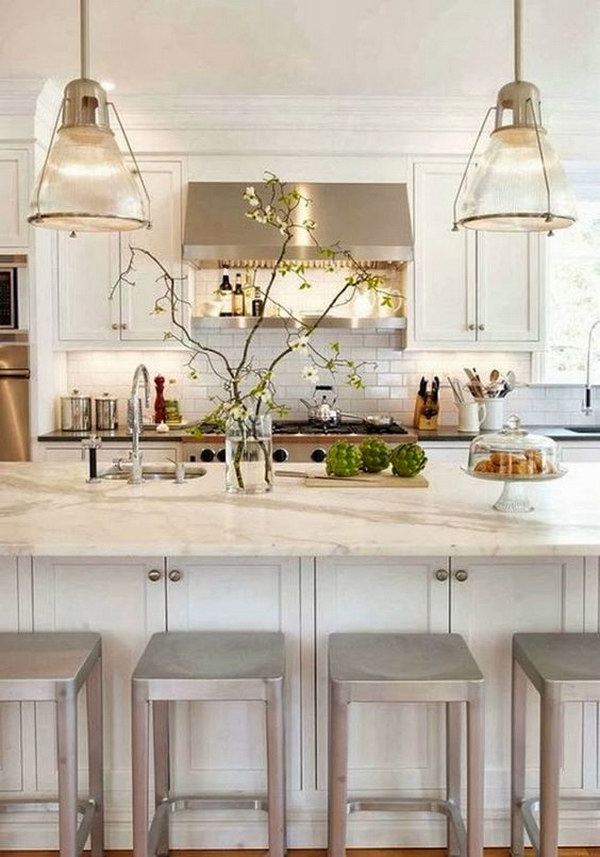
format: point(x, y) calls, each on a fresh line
point(106, 413)
point(76, 412)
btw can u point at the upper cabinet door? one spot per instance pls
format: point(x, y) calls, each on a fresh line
point(508, 287)
point(14, 187)
point(88, 268)
point(139, 320)
point(444, 304)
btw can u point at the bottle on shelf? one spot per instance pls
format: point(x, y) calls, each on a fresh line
point(248, 290)
point(226, 294)
point(172, 407)
point(257, 303)
point(238, 300)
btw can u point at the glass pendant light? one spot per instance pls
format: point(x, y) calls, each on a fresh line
point(518, 184)
point(85, 184)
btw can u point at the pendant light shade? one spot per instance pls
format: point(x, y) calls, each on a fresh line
point(507, 191)
point(518, 183)
point(85, 184)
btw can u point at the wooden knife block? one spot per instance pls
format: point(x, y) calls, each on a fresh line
point(426, 414)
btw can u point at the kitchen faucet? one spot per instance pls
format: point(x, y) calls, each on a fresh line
point(135, 421)
point(586, 405)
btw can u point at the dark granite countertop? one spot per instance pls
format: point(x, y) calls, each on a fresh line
point(118, 436)
point(559, 433)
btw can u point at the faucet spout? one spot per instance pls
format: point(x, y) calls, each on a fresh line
point(586, 405)
point(135, 421)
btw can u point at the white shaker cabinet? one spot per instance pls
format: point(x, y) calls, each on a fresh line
point(475, 290)
point(491, 600)
point(89, 266)
point(11, 772)
point(14, 188)
point(220, 746)
point(391, 746)
point(124, 600)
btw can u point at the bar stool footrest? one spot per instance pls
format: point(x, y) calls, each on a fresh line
point(530, 808)
point(415, 804)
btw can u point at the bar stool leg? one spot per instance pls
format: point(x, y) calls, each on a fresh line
point(475, 756)
point(93, 694)
point(66, 727)
point(338, 770)
point(453, 766)
point(550, 729)
point(160, 727)
point(140, 733)
point(275, 768)
point(517, 765)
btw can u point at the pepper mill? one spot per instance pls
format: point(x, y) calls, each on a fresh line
point(159, 401)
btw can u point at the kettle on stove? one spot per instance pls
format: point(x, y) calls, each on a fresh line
point(321, 410)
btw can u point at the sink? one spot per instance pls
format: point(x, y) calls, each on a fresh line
point(153, 472)
point(584, 429)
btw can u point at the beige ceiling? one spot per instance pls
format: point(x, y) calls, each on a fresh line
point(310, 47)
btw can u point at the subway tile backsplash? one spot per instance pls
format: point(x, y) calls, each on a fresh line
point(391, 377)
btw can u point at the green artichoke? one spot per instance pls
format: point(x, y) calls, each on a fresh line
point(343, 459)
point(375, 455)
point(408, 459)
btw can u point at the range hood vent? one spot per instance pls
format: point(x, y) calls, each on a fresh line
point(372, 221)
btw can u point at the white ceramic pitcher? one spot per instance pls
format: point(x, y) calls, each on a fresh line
point(470, 416)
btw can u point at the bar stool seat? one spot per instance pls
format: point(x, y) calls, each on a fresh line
point(374, 667)
point(562, 668)
point(205, 666)
point(53, 667)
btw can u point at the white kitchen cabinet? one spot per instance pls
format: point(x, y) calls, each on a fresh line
point(474, 290)
point(89, 266)
point(14, 189)
point(116, 598)
point(391, 746)
point(579, 451)
point(64, 451)
point(219, 746)
point(452, 452)
point(11, 778)
point(505, 596)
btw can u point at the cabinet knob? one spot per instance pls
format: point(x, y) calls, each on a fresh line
point(461, 575)
point(482, 327)
point(175, 575)
point(124, 326)
point(154, 575)
point(114, 325)
point(471, 327)
point(441, 575)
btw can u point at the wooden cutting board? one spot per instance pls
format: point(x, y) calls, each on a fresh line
point(368, 480)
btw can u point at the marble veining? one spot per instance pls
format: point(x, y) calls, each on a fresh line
point(50, 510)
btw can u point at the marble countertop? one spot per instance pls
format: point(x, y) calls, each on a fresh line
point(48, 509)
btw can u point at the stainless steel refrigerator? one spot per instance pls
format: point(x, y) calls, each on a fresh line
point(14, 400)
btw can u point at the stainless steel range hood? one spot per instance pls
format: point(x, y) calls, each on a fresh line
point(370, 220)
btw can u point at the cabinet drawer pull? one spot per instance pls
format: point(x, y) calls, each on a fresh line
point(124, 326)
point(482, 327)
point(471, 327)
point(175, 575)
point(114, 325)
point(441, 575)
point(461, 575)
point(154, 575)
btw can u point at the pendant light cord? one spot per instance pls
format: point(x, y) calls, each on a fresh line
point(518, 20)
point(84, 38)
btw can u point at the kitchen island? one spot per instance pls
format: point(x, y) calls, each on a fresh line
point(128, 561)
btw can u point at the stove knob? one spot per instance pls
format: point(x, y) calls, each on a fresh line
point(221, 455)
point(280, 455)
point(318, 455)
point(207, 455)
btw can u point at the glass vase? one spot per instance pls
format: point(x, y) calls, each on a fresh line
point(248, 455)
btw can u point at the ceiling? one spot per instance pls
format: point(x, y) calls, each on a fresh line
point(307, 47)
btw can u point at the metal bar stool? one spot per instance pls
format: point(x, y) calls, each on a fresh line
point(408, 668)
point(53, 667)
point(562, 668)
point(205, 666)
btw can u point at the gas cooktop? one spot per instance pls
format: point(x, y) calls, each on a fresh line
point(303, 427)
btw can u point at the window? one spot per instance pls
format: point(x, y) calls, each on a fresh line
point(573, 286)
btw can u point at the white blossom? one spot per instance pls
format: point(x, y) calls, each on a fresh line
point(299, 344)
point(310, 373)
point(250, 196)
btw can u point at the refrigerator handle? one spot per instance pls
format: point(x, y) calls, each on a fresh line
point(15, 373)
